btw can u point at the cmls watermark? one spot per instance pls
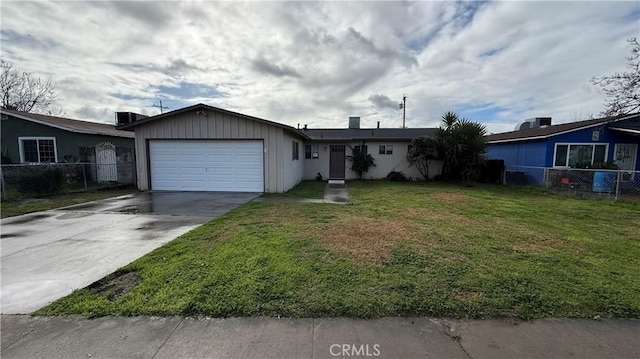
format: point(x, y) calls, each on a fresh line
point(354, 350)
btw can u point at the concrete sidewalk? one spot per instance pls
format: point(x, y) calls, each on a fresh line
point(336, 192)
point(175, 337)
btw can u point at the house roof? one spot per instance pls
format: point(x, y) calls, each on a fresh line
point(202, 106)
point(367, 134)
point(632, 130)
point(554, 130)
point(67, 124)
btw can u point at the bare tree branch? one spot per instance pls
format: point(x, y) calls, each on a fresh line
point(622, 89)
point(21, 91)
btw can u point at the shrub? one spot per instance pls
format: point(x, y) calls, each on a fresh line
point(397, 177)
point(361, 162)
point(40, 179)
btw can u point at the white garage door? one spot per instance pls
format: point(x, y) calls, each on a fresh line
point(206, 165)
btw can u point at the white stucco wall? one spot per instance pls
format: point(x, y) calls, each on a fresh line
point(384, 163)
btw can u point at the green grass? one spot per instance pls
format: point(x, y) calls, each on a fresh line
point(402, 249)
point(22, 206)
point(306, 189)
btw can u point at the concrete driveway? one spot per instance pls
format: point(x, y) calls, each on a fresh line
point(46, 255)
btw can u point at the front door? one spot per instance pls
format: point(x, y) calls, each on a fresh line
point(625, 158)
point(336, 162)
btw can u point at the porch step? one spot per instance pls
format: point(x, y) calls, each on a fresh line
point(336, 182)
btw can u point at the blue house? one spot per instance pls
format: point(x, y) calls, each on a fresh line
point(527, 152)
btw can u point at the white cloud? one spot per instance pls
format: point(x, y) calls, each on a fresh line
point(318, 63)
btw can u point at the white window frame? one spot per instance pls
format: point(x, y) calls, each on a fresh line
point(569, 144)
point(358, 147)
point(21, 147)
point(388, 149)
point(295, 149)
point(628, 176)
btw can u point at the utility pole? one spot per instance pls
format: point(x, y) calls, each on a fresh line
point(403, 106)
point(160, 106)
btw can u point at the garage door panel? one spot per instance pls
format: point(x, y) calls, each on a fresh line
point(206, 165)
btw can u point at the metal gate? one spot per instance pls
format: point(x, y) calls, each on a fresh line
point(106, 162)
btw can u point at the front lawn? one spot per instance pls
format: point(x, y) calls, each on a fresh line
point(22, 206)
point(401, 249)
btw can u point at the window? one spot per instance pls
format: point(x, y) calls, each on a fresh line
point(356, 149)
point(295, 150)
point(37, 149)
point(579, 155)
point(385, 149)
point(310, 151)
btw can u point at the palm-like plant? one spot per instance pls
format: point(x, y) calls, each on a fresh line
point(461, 144)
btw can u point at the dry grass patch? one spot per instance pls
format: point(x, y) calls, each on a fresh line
point(367, 240)
point(468, 297)
point(450, 197)
point(427, 213)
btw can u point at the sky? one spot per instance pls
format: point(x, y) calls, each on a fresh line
point(318, 63)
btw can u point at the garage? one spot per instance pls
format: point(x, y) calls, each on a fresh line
point(207, 165)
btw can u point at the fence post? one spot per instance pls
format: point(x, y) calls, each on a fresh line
point(84, 177)
point(4, 185)
point(617, 184)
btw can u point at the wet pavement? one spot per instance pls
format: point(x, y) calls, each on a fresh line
point(46, 255)
point(336, 192)
point(199, 204)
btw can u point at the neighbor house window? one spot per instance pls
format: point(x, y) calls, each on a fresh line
point(385, 149)
point(37, 149)
point(356, 149)
point(311, 151)
point(579, 155)
point(295, 149)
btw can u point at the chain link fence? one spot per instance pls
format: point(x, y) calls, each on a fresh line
point(589, 183)
point(36, 180)
point(583, 183)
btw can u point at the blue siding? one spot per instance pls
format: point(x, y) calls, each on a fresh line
point(520, 155)
point(607, 136)
point(583, 136)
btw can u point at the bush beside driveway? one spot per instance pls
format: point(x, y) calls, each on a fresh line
point(402, 249)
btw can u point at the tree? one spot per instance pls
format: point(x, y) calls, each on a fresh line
point(460, 143)
point(424, 149)
point(622, 89)
point(361, 161)
point(21, 91)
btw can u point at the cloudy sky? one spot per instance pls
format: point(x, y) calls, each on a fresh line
point(318, 63)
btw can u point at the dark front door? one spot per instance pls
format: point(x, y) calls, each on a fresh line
point(336, 162)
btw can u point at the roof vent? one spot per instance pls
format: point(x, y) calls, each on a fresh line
point(123, 118)
point(533, 123)
point(354, 122)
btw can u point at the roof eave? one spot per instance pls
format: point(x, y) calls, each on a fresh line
point(327, 139)
point(62, 127)
point(542, 137)
point(131, 125)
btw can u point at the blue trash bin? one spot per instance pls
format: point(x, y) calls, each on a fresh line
point(604, 182)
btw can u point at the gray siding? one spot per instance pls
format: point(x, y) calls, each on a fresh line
point(293, 170)
point(220, 126)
